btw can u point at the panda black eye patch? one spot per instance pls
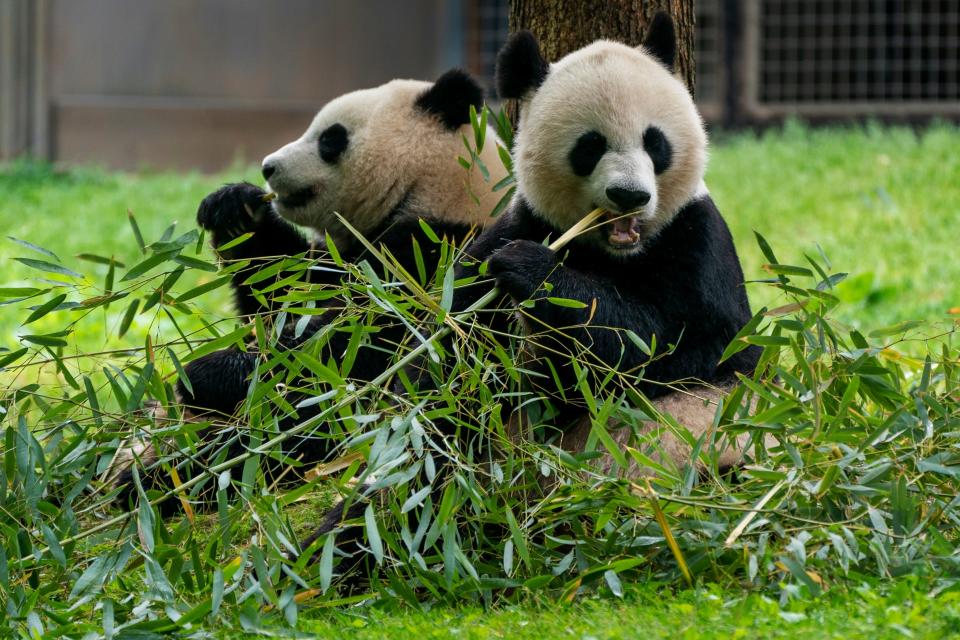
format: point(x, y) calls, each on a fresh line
point(333, 142)
point(586, 153)
point(658, 148)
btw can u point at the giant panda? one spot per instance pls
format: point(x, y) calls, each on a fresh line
point(613, 127)
point(386, 159)
point(608, 126)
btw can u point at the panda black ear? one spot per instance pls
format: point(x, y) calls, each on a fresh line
point(661, 40)
point(520, 66)
point(450, 98)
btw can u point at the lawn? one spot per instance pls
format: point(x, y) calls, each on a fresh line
point(649, 612)
point(881, 203)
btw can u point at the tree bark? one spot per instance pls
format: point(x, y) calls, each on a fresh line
point(563, 26)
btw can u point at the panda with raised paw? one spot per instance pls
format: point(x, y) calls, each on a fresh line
point(610, 126)
point(385, 159)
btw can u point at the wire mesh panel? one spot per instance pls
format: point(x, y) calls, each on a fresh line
point(709, 58)
point(488, 25)
point(487, 28)
point(850, 57)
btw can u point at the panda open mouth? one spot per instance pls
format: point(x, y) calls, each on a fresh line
point(623, 230)
point(296, 199)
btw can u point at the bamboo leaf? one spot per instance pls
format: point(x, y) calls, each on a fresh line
point(195, 263)
point(136, 231)
point(128, 316)
point(13, 356)
point(613, 581)
point(235, 242)
point(201, 289)
point(373, 534)
point(146, 265)
point(517, 536)
point(19, 292)
point(34, 247)
point(98, 259)
point(567, 303)
point(428, 231)
point(228, 340)
point(326, 563)
point(49, 267)
point(48, 339)
point(765, 248)
point(46, 308)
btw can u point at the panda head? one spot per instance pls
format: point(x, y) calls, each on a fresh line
point(607, 126)
point(370, 152)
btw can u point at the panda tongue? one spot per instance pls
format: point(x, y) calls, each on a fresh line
point(623, 231)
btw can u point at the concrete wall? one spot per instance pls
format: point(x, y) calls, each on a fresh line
point(198, 83)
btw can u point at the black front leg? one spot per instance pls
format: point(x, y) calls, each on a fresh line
point(521, 267)
point(236, 209)
point(218, 382)
point(529, 271)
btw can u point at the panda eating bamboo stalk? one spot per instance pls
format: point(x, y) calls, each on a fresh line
point(608, 126)
point(385, 159)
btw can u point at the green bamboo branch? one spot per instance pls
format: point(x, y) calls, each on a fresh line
point(411, 356)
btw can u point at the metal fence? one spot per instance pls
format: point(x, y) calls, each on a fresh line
point(709, 46)
point(852, 58)
point(762, 60)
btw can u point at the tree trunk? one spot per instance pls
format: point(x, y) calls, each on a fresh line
point(563, 26)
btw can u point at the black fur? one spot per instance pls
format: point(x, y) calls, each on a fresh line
point(661, 40)
point(586, 153)
point(236, 209)
point(450, 98)
point(685, 287)
point(333, 142)
point(520, 66)
point(219, 381)
point(658, 148)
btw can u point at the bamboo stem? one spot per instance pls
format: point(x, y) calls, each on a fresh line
point(348, 399)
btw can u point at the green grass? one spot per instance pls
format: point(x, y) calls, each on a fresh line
point(652, 612)
point(84, 210)
point(883, 205)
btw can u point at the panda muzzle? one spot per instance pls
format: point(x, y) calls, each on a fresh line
point(297, 199)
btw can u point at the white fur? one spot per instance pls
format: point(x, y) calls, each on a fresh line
point(620, 92)
point(395, 150)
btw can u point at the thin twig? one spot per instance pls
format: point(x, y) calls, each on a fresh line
point(361, 392)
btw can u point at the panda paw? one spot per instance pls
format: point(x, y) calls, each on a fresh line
point(233, 210)
point(521, 267)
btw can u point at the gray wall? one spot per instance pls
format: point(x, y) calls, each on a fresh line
point(199, 83)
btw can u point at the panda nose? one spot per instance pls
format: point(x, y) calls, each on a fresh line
point(268, 169)
point(627, 199)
